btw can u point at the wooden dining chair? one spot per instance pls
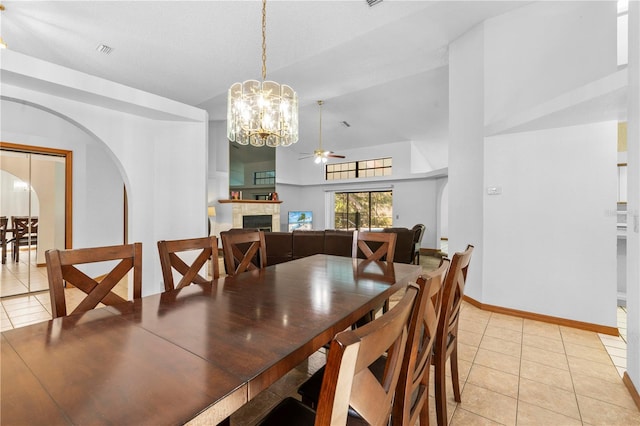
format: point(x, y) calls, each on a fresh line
point(25, 233)
point(240, 249)
point(412, 394)
point(366, 242)
point(446, 346)
point(61, 267)
point(412, 397)
point(348, 382)
point(4, 225)
point(169, 260)
point(374, 246)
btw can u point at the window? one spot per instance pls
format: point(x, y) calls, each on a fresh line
point(623, 32)
point(363, 210)
point(359, 169)
point(264, 178)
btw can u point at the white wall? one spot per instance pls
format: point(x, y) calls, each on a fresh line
point(218, 176)
point(544, 49)
point(555, 213)
point(159, 147)
point(518, 61)
point(633, 206)
point(466, 153)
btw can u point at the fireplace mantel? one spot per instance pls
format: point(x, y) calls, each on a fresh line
point(251, 201)
point(240, 208)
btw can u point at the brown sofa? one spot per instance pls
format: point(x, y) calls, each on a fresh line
point(286, 246)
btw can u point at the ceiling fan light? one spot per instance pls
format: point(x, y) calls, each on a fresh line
point(318, 160)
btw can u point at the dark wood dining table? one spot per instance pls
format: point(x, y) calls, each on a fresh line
point(199, 352)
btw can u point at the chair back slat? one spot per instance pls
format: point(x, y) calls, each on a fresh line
point(61, 268)
point(169, 260)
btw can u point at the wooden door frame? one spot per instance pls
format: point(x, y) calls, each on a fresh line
point(68, 181)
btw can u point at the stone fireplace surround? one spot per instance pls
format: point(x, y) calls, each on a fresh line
point(242, 208)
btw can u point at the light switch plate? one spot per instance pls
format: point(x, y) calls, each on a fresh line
point(494, 190)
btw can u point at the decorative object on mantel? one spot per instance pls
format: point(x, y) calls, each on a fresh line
point(235, 195)
point(211, 212)
point(262, 113)
point(250, 201)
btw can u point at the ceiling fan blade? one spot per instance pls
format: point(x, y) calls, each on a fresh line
point(335, 156)
point(306, 156)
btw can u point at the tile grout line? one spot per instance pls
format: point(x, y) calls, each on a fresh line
point(573, 385)
point(519, 372)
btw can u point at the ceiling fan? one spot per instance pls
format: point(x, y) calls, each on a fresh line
point(320, 155)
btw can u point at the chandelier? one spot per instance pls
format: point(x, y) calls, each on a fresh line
point(3, 45)
point(262, 113)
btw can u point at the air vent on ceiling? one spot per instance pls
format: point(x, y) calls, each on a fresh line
point(373, 2)
point(345, 124)
point(103, 48)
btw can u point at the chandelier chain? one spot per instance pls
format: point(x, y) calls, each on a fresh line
point(264, 40)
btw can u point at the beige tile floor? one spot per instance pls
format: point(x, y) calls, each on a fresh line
point(512, 371)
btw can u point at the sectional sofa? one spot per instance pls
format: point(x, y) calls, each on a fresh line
point(286, 246)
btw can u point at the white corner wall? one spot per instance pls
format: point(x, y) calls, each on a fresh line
point(466, 152)
point(514, 62)
point(550, 236)
point(158, 145)
point(539, 51)
point(633, 206)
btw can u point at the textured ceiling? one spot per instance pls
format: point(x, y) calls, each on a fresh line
point(383, 69)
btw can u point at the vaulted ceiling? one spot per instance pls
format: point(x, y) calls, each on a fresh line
point(382, 69)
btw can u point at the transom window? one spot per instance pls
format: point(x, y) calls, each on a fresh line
point(359, 169)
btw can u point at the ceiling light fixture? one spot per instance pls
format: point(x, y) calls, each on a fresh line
point(262, 113)
point(321, 156)
point(3, 45)
point(372, 3)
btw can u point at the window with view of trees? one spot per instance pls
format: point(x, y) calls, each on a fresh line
point(363, 210)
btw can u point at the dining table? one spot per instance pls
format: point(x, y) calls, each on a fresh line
point(192, 355)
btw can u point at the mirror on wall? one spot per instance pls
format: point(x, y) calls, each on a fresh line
point(252, 171)
point(32, 213)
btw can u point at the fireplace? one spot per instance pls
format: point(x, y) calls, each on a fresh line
point(260, 208)
point(260, 221)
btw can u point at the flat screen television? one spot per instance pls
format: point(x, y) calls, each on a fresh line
point(300, 219)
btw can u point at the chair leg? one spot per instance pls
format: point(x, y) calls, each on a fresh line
point(441, 389)
point(454, 371)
